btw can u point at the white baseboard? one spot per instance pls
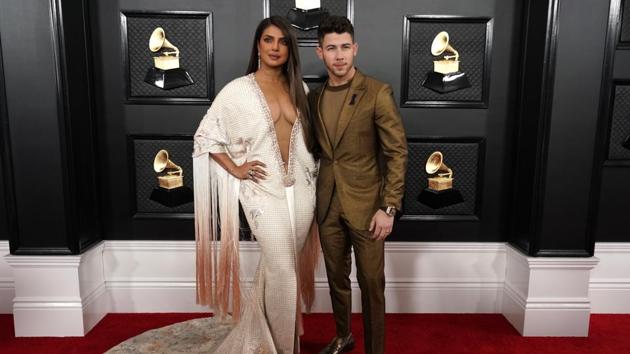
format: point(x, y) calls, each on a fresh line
point(151, 276)
point(610, 280)
point(547, 296)
point(58, 295)
point(158, 276)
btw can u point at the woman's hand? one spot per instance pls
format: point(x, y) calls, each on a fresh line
point(253, 170)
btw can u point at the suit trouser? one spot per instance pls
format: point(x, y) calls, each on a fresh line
point(337, 237)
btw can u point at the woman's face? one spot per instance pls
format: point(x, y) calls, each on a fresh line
point(273, 47)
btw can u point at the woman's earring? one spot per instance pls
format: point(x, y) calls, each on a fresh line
point(258, 60)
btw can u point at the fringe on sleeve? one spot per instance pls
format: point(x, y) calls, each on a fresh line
point(216, 219)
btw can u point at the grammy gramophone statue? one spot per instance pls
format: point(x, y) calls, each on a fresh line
point(440, 192)
point(171, 191)
point(445, 76)
point(306, 15)
point(165, 73)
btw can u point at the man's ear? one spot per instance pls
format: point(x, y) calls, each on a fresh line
point(356, 48)
point(320, 52)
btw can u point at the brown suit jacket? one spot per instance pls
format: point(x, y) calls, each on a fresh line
point(369, 124)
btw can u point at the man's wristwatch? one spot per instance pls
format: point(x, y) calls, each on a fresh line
point(389, 210)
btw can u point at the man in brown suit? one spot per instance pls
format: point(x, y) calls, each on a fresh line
point(356, 124)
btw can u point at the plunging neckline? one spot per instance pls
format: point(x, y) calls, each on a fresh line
point(286, 168)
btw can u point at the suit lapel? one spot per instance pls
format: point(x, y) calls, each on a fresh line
point(326, 141)
point(355, 93)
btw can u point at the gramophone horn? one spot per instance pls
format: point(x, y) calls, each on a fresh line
point(435, 163)
point(162, 162)
point(158, 41)
point(440, 44)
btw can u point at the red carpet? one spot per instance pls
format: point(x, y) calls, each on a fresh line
point(406, 333)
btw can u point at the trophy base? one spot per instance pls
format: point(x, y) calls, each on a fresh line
point(170, 182)
point(626, 143)
point(440, 183)
point(440, 199)
point(306, 19)
point(443, 83)
point(168, 79)
point(172, 197)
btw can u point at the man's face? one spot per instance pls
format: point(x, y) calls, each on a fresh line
point(338, 52)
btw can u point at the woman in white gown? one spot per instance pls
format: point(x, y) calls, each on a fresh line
point(255, 146)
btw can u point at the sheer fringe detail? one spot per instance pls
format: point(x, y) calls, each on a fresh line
point(216, 200)
point(205, 233)
point(308, 259)
point(217, 268)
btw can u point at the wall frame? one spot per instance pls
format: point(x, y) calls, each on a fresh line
point(308, 38)
point(465, 156)
point(143, 179)
point(470, 36)
point(191, 32)
point(618, 132)
point(624, 25)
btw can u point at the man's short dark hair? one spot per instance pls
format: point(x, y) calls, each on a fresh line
point(334, 24)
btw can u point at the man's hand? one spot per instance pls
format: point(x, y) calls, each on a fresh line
point(381, 225)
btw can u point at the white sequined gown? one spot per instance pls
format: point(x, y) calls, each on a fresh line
point(279, 211)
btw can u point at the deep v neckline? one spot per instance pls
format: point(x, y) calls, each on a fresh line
point(287, 173)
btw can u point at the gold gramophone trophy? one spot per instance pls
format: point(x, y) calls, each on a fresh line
point(445, 76)
point(306, 15)
point(174, 176)
point(165, 73)
point(440, 192)
point(171, 191)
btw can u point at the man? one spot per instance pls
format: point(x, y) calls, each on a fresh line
point(356, 120)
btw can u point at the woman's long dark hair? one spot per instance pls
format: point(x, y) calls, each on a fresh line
point(293, 73)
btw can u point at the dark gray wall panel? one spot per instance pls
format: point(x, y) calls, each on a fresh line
point(234, 23)
point(6, 171)
point(467, 36)
point(624, 34)
point(612, 167)
point(4, 231)
point(378, 27)
point(463, 157)
point(574, 121)
point(145, 178)
point(619, 124)
point(32, 84)
point(190, 31)
point(622, 69)
point(614, 204)
point(495, 124)
point(48, 150)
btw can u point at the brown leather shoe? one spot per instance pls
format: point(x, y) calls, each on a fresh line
point(339, 345)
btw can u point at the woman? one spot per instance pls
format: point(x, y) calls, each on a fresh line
point(254, 145)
